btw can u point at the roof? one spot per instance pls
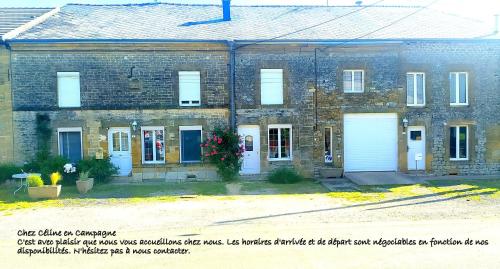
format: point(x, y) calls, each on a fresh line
point(162, 21)
point(12, 18)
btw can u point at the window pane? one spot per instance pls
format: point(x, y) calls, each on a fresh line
point(463, 142)
point(462, 80)
point(124, 141)
point(116, 141)
point(159, 145)
point(285, 143)
point(453, 142)
point(248, 143)
point(273, 143)
point(328, 146)
point(453, 87)
point(420, 89)
point(409, 88)
point(148, 146)
point(347, 81)
point(191, 149)
point(416, 135)
point(70, 146)
point(358, 81)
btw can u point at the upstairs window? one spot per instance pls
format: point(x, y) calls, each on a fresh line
point(415, 89)
point(68, 89)
point(280, 142)
point(189, 88)
point(153, 145)
point(271, 86)
point(459, 145)
point(354, 80)
point(459, 88)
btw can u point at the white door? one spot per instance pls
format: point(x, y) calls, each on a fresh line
point(120, 149)
point(250, 135)
point(416, 148)
point(370, 142)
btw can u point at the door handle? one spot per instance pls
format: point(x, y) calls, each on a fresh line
point(407, 148)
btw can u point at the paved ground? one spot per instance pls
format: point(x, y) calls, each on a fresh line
point(382, 178)
point(269, 217)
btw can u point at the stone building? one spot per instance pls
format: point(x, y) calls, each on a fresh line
point(355, 88)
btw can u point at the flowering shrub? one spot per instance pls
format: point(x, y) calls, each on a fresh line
point(222, 148)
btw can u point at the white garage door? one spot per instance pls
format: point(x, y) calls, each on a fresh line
point(370, 142)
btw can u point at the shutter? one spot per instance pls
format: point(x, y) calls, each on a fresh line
point(271, 86)
point(68, 89)
point(189, 88)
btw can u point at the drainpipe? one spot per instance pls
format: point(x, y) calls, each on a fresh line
point(232, 83)
point(315, 90)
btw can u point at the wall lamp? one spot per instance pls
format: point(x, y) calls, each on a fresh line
point(134, 126)
point(405, 123)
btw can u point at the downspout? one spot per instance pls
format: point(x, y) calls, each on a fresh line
point(315, 90)
point(232, 83)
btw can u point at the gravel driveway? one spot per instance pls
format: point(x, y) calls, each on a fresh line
point(244, 224)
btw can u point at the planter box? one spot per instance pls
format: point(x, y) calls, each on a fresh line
point(47, 191)
point(331, 172)
point(84, 186)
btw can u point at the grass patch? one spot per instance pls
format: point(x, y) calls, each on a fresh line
point(266, 187)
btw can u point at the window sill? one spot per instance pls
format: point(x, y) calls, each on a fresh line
point(458, 160)
point(354, 92)
point(198, 105)
point(279, 159)
point(152, 163)
point(459, 105)
point(416, 106)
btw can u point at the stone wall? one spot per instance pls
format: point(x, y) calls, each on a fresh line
point(6, 151)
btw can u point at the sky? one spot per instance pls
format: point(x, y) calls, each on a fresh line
point(479, 9)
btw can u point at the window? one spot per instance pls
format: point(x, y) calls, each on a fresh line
point(271, 86)
point(189, 88)
point(70, 143)
point(153, 145)
point(459, 88)
point(354, 80)
point(248, 143)
point(280, 142)
point(68, 89)
point(415, 89)
point(190, 140)
point(459, 145)
point(328, 145)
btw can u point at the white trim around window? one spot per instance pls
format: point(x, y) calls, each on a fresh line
point(153, 129)
point(69, 129)
point(68, 89)
point(455, 81)
point(413, 77)
point(280, 128)
point(350, 85)
point(189, 128)
point(457, 143)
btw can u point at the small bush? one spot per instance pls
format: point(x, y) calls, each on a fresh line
point(284, 175)
point(100, 170)
point(7, 170)
point(46, 164)
point(34, 180)
point(55, 178)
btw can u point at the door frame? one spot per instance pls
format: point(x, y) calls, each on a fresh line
point(424, 142)
point(110, 140)
point(249, 126)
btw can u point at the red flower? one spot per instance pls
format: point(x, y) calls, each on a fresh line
point(222, 159)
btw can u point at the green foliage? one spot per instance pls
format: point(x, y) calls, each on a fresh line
point(34, 180)
point(223, 149)
point(43, 132)
point(84, 175)
point(46, 164)
point(284, 175)
point(7, 170)
point(100, 170)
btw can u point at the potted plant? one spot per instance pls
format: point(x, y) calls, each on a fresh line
point(84, 183)
point(37, 190)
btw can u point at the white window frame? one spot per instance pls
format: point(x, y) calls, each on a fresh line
point(189, 128)
point(456, 102)
point(265, 101)
point(152, 128)
point(352, 71)
point(457, 143)
point(279, 127)
point(190, 102)
point(331, 143)
point(415, 89)
point(69, 129)
point(60, 92)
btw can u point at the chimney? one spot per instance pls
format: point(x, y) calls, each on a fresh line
point(358, 3)
point(226, 10)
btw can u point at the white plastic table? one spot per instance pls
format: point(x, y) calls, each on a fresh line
point(22, 177)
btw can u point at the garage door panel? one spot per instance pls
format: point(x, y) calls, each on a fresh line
point(370, 142)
